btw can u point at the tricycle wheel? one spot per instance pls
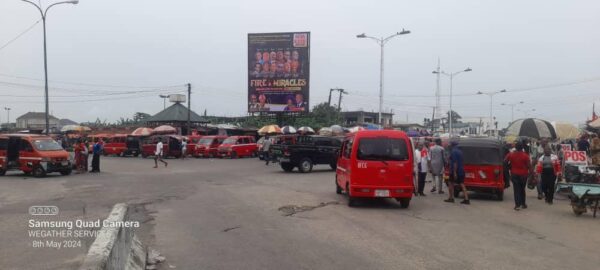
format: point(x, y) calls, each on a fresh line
point(404, 202)
point(233, 155)
point(287, 167)
point(38, 171)
point(136, 155)
point(578, 210)
point(305, 165)
point(66, 172)
point(144, 156)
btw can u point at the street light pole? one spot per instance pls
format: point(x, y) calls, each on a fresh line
point(451, 75)
point(164, 97)
point(7, 109)
point(491, 95)
point(382, 41)
point(512, 109)
point(43, 14)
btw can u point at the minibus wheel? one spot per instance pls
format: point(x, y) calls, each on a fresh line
point(305, 165)
point(338, 189)
point(38, 171)
point(351, 200)
point(2, 172)
point(404, 202)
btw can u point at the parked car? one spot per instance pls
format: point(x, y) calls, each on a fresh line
point(483, 162)
point(171, 145)
point(376, 164)
point(192, 142)
point(33, 154)
point(307, 151)
point(116, 145)
point(208, 146)
point(238, 146)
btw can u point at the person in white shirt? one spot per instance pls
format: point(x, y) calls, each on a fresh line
point(183, 148)
point(158, 154)
point(421, 158)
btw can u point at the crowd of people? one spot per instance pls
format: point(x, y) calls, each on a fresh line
point(528, 164)
point(81, 151)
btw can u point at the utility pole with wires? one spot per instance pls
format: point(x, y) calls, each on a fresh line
point(341, 91)
point(189, 125)
point(437, 109)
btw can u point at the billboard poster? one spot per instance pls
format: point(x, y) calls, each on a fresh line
point(278, 72)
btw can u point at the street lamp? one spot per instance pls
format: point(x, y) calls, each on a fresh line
point(451, 75)
point(7, 117)
point(164, 97)
point(43, 14)
point(526, 112)
point(382, 41)
point(512, 109)
point(491, 95)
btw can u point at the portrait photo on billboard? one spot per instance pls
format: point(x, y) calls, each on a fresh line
point(278, 72)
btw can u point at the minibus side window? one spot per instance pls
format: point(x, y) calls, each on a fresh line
point(25, 146)
point(3, 144)
point(348, 149)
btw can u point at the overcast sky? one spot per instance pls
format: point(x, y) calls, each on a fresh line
point(549, 48)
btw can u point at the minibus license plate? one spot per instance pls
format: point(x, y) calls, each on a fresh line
point(469, 175)
point(382, 193)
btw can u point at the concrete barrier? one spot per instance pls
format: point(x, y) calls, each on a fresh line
point(115, 248)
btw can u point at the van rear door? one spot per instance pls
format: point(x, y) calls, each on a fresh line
point(382, 161)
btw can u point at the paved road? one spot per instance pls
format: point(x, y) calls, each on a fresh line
point(240, 214)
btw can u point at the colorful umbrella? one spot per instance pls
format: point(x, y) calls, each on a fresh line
point(270, 129)
point(306, 130)
point(77, 128)
point(288, 130)
point(337, 130)
point(142, 131)
point(413, 133)
point(164, 129)
point(325, 131)
point(595, 123)
point(532, 128)
point(565, 130)
point(355, 129)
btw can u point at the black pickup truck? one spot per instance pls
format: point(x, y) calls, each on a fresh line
point(307, 151)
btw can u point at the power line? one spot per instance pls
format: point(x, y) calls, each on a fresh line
point(19, 35)
point(89, 84)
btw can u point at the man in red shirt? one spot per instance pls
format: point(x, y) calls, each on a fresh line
point(520, 168)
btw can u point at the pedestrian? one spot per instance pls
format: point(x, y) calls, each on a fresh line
point(158, 154)
point(96, 151)
point(548, 167)
point(520, 167)
point(183, 148)
point(595, 149)
point(436, 163)
point(422, 169)
point(457, 174)
point(416, 169)
point(584, 144)
point(539, 152)
point(265, 149)
point(85, 155)
point(77, 156)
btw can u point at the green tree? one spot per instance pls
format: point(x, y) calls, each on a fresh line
point(140, 116)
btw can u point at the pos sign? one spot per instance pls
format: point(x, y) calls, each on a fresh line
point(575, 157)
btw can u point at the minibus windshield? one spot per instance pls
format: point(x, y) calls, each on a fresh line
point(382, 148)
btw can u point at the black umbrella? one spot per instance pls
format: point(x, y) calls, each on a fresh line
point(532, 128)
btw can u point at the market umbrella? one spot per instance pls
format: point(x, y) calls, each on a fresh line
point(306, 130)
point(74, 128)
point(565, 130)
point(142, 131)
point(288, 130)
point(355, 129)
point(337, 130)
point(532, 128)
point(270, 129)
point(325, 131)
point(595, 123)
point(164, 129)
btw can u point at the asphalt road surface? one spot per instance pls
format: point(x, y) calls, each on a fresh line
point(241, 214)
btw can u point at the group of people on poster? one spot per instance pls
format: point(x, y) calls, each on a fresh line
point(294, 103)
point(280, 63)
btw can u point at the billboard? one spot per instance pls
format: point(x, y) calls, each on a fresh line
point(278, 72)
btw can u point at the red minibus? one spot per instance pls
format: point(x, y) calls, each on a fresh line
point(238, 146)
point(208, 146)
point(33, 154)
point(115, 145)
point(376, 164)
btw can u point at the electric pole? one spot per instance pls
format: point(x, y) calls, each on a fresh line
point(342, 92)
point(437, 110)
point(189, 125)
